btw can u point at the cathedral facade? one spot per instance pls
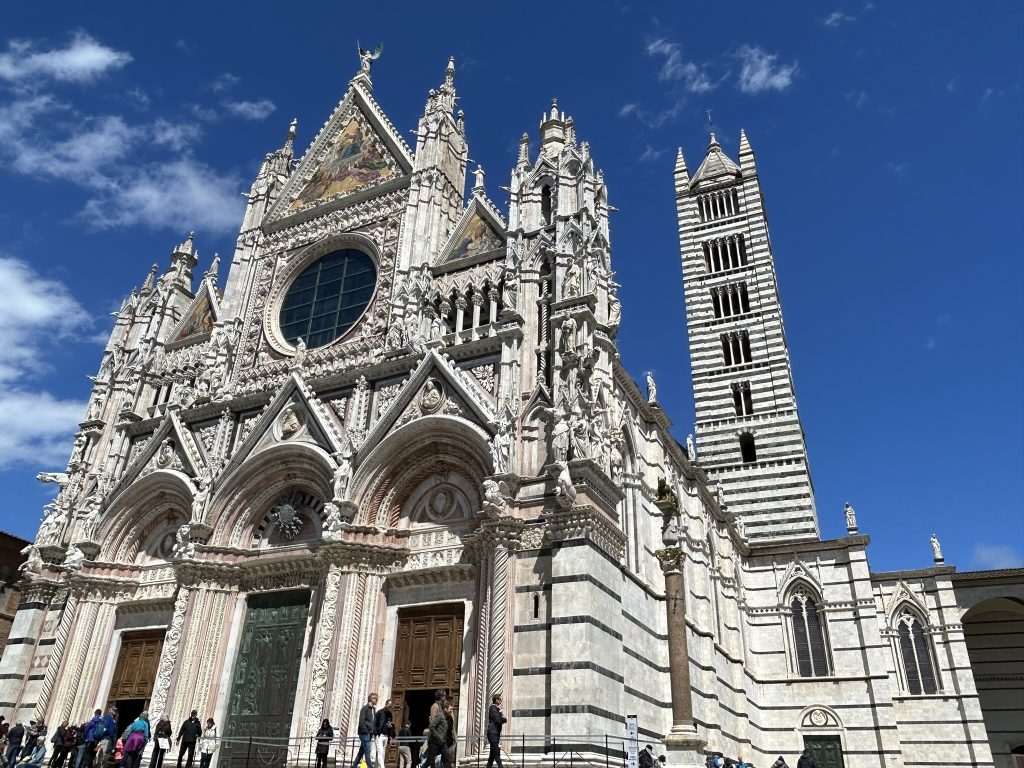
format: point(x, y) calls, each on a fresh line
point(399, 453)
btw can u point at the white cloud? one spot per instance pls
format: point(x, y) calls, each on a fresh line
point(224, 82)
point(650, 154)
point(760, 71)
point(251, 110)
point(986, 556)
point(693, 77)
point(35, 312)
point(83, 60)
point(176, 135)
point(164, 195)
point(857, 98)
point(836, 18)
point(652, 119)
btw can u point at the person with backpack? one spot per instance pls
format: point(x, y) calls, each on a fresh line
point(207, 743)
point(57, 739)
point(94, 731)
point(437, 739)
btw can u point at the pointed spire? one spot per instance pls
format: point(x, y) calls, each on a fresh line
point(150, 280)
point(524, 149)
point(682, 174)
point(713, 143)
point(746, 152)
point(187, 248)
point(570, 131)
point(211, 273)
point(289, 139)
point(446, 92)
point(478, 183)
point(554, 109)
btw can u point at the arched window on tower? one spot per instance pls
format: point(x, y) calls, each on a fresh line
point(545, 203)
point(811, 651)
point(748, 453)
point(915, 653)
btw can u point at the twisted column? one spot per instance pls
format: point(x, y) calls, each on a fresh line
point(169, 654)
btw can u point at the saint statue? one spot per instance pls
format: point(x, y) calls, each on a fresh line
point(936, 549)
point(851, 517)
point(652, 388)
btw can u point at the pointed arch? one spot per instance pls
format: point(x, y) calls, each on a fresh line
point(809, 630)
point(912, 636)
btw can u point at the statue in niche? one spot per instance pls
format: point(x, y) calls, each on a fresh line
point(54, 520)
point(199, 500)
point(183, 547)
point(501, 447)
point(573, 279)
point(78, 452)
point(670, 530)
point(432, 397)
point(565, 490)
point(559, 431)
point(496, 497)
point(343, 472)
point(165, 455)
point(614, 311)
point(299, 358)
point(74, 559)
point(652, 388)
point(568, 337)
point(936, 549)
point(95, 407)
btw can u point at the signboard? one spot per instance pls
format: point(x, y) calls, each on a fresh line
point(631, 744)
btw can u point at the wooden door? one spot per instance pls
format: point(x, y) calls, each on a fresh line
point(137, 660)
point(428, 657)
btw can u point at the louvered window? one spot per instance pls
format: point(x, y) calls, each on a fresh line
point(916, 656)
point(808, 636)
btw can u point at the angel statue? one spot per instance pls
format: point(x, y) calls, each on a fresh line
point(366, 58)
point(496, 496)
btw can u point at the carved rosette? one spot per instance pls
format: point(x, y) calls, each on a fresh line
point(322, 652)
point(169, 655)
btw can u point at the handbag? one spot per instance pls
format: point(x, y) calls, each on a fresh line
point(163, 743)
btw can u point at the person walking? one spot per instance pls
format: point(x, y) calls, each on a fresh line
point(365, 729)
point(439, 697)
point(437, 738)
point(323, 743)
point(66, 748)
point(134, 741)
point(646, 757)
point(161, 741)
point(807, 760)
point(495, 719)
point(404, 746)
point(448, 756)
point(383, 731)
point(14, 739)
point(188, 734)
point(57, 739)
point(208, 743)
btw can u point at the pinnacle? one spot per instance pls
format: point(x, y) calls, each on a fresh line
point(680, 161)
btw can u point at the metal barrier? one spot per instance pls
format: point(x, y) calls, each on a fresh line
point(517, 751)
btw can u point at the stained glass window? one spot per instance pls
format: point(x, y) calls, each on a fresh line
point(328, 297)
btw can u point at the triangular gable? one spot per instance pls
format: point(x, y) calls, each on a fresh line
point(358, 148)
point(901, 594)
point(478, 232)
point(468, 395)
point(184, 455)
point(798, 571)
point(200, 316)
point(307, 420)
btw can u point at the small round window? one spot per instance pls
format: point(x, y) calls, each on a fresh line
point(327, 298)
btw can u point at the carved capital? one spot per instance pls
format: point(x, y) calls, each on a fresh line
point(670, 559)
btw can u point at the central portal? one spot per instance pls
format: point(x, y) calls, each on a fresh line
point(428, 657)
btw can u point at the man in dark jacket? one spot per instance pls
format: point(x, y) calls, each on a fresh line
point(646, 757)
point(495, 719)
point(807, 760)
point(188, 734)
point(438, 737)
point(366, 729)
point(14, 738)
point(383, 731)
point(57, 739)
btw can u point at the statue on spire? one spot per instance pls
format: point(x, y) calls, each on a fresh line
point(366, 57)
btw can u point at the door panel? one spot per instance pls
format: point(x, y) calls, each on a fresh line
point(827, 750)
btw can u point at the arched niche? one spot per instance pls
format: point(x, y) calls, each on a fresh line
point(400, 481)
point(295, 473)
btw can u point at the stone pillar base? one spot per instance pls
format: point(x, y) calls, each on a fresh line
point(684, 748)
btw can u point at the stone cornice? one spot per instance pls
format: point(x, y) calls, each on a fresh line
point(589, 523)
point(814, 545)
point(989, 577)
point(920, 573)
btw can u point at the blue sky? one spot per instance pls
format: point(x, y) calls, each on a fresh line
point(888, 139)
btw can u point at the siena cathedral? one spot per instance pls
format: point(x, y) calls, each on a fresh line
point(399, 452)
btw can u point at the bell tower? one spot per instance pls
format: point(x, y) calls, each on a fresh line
point(749, 437)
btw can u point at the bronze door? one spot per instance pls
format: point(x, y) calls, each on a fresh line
point(428, 657)
point(265, 679)
point(827, 750)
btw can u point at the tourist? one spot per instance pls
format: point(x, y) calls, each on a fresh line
point(36, 753)
point(188, 734)
point(14, 738)
point(4, 727)
point(495, 719)
point(57, 739)
point(449, 752)
point(30, 738)
point(807, 760)
point(424, 748)
point(439, 697)
point(437, 739)
point(323, 743)
point(383, 730)
point(135, 738)
point(365, 729)
point(647, 757)
point(404, 748)
point(66, 747)
point(207, 744)
point(780, 763)
point(161, 741)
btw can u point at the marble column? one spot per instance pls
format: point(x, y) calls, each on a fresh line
point(169, 655)
point(682, 741)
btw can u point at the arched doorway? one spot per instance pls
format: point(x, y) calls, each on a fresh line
point(994, 632)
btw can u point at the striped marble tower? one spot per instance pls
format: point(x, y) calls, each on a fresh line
point(749, 437)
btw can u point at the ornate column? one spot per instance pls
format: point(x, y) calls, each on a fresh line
point(682, 741)
point(169, 654)
point(321, 662)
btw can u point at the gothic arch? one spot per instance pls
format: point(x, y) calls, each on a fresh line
point(134, 513)
point(430, 446)
point(243, 498)
point(901, 597)
point(796, 572)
